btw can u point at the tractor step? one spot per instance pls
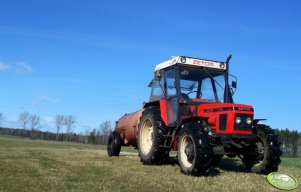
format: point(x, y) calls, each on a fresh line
point(168, 141)
point(169, 137)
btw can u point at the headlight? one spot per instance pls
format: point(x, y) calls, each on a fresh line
point(183, 59)
point(249, 120)
point(237, 120)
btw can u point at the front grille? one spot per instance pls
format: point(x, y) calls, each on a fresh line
point(243, 126)
point(223, 122)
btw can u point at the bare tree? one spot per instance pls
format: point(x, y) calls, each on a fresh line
point(69, 122)
point(34, 121)
point(1, 118)
point(92, 137)
point(105, 130)
point(24, 119)
point(86, 134)
point(59, 122)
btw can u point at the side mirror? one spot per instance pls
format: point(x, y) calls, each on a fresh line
point(234, 84)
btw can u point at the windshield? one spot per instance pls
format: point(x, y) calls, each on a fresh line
point(207, 85)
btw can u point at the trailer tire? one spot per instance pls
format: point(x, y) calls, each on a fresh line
point(268, 147)
point(194, 150)
point(114, 144)
point(150, 136)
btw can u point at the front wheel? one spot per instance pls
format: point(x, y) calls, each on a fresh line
point(194, 150)
point(114, 144)
point(268, 154)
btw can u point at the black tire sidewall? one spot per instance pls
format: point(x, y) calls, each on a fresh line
point(186, 133)
point(114, 144)
point(271, 158)
point(202, 150)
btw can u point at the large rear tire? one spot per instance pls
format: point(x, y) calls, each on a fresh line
point(194, 150)
point(114, 144)
point(150, 136)
point(269, 152)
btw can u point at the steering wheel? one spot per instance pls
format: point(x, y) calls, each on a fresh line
point(200, 96)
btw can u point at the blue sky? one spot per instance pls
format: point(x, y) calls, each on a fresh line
point(94, 59)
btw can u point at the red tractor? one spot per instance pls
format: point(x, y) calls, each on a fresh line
point(191, 111)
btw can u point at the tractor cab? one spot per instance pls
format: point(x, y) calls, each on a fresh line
point(185, 82)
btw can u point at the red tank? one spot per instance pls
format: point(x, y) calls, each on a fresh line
point(127, 127)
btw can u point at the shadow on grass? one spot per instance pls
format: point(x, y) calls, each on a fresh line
point(172, 161)
point(227, 164)
point(234, 164)
point(125, 153)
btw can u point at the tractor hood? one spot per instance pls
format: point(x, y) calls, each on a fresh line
point(228, 118)
point(220, 107)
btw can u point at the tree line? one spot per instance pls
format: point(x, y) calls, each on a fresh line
point(30, 124)
point(290, 142)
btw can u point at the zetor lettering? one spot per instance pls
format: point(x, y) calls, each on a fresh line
point(191, 110)
point(203, 63)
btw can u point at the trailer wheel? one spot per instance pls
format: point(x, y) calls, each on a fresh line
point(269, 152)
point(194, 150)
point(114, 144)
point(150, 136)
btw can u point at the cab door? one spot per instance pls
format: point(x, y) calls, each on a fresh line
point(172, 104)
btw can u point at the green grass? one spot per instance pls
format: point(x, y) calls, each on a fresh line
point(35, 165)
point(291, 162)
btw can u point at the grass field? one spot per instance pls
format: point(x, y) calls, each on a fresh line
point(34, 165)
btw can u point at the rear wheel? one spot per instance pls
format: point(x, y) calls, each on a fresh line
point(114, 144)
point(150, 136)
point(194, 150)
point(268, 149)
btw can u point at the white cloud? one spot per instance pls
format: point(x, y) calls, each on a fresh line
point(48, 120)
point(42, 103)
point(48, 99)
point(3, 66)
point(24, 68)
point(45, 98)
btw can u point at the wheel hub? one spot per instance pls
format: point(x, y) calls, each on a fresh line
point(189, 151)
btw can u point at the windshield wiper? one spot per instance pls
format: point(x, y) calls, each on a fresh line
point(212, 78)
point(161, 87)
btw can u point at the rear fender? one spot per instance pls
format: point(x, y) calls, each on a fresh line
point(162, 105)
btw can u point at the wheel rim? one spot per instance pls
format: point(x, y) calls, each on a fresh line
point(146, 136)
point(187, 151)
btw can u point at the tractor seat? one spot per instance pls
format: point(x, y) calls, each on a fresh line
point(185, 96)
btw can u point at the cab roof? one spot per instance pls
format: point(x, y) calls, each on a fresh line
point(190, 61)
